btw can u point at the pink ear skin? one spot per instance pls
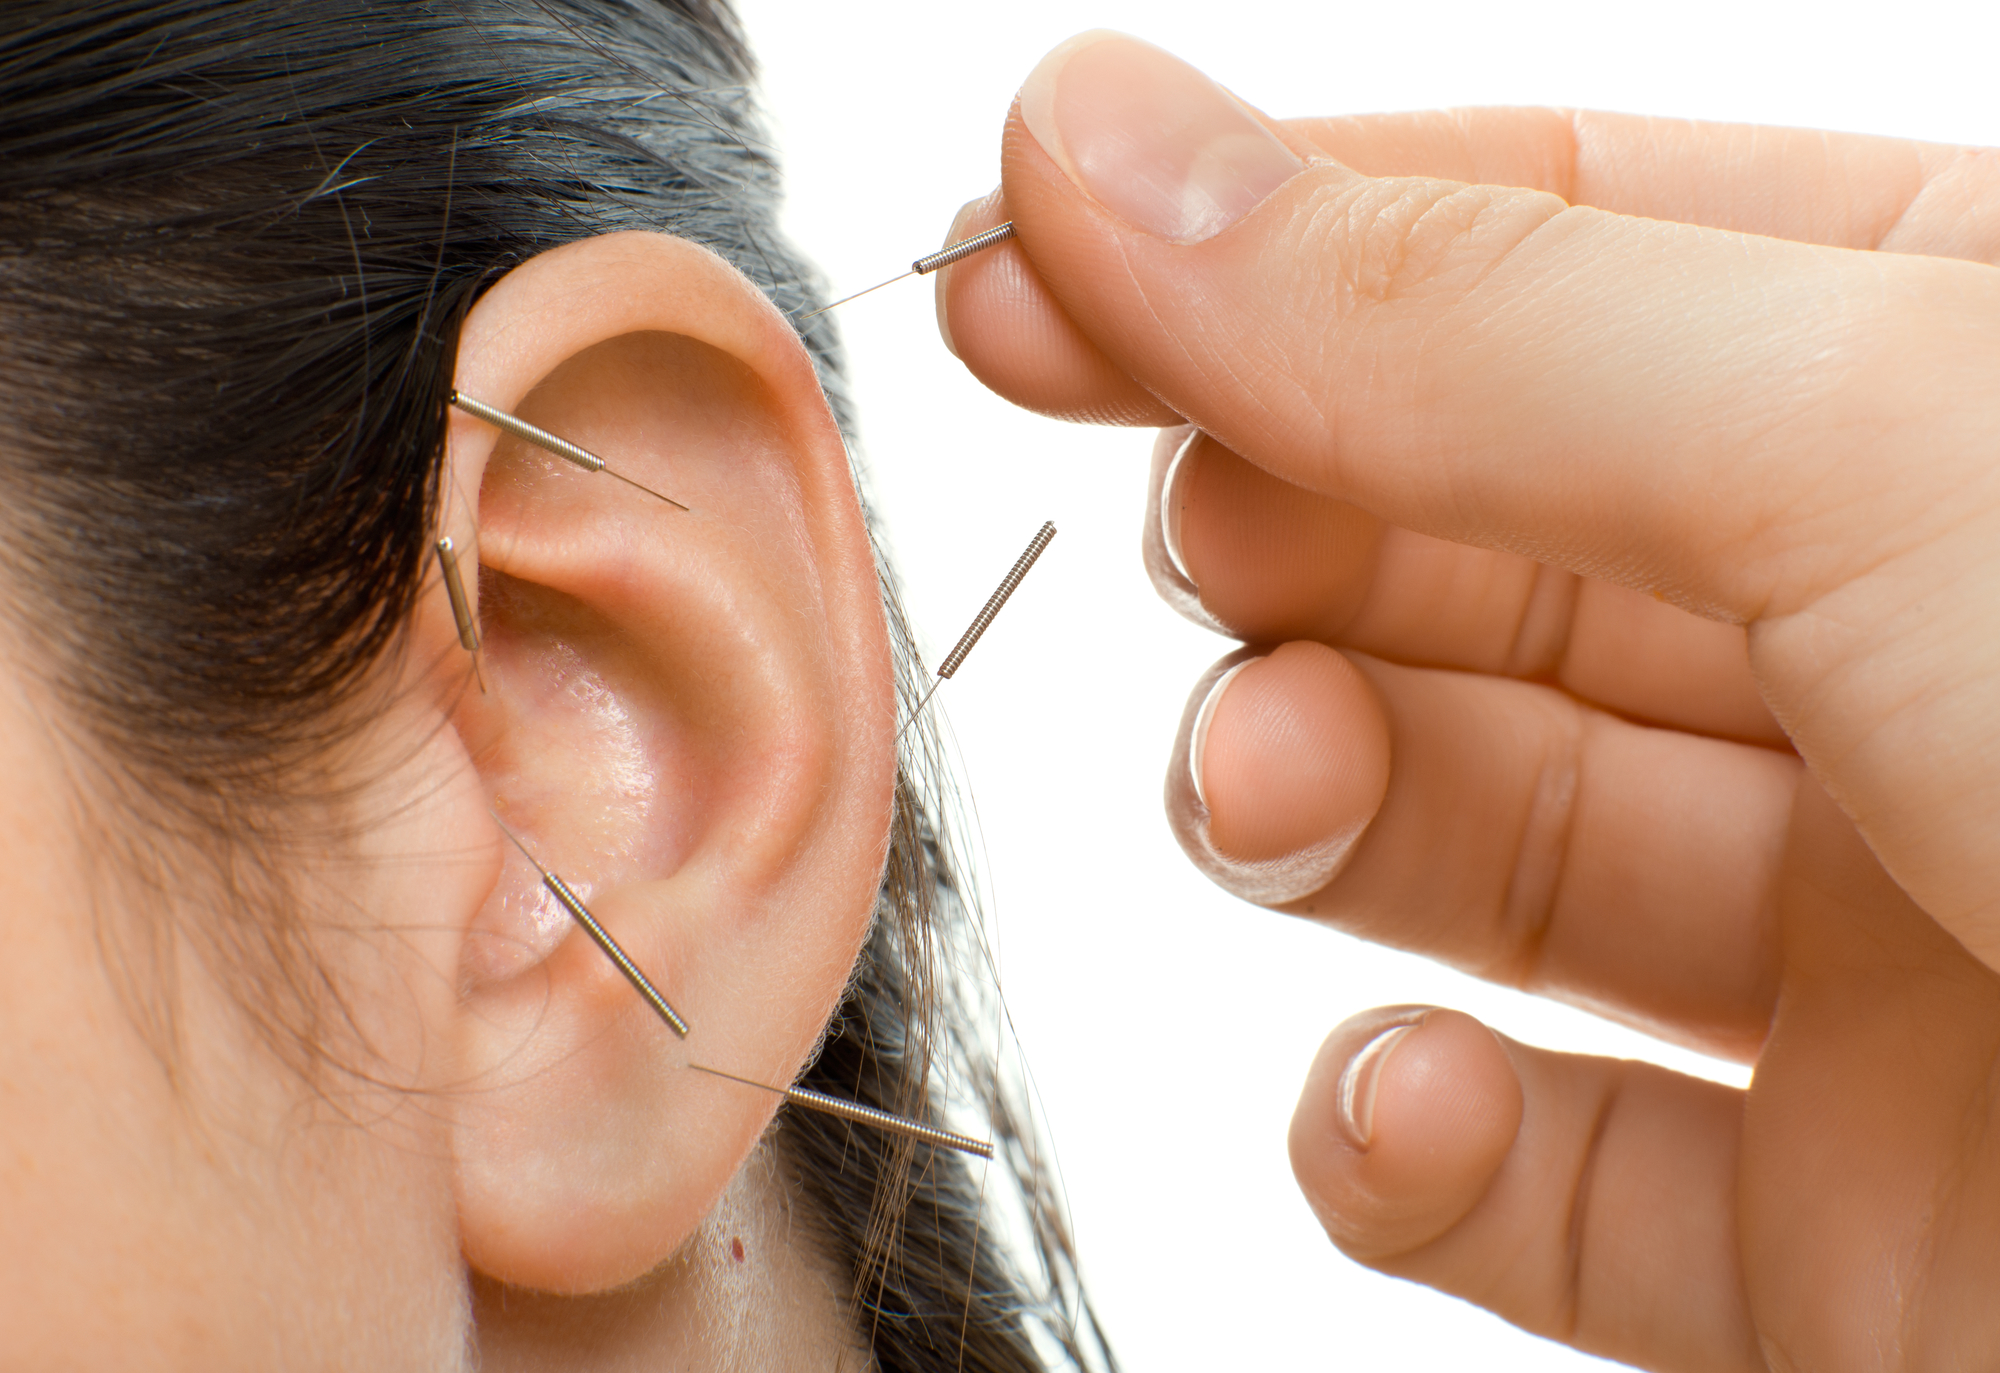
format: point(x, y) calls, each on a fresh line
point(690, 718)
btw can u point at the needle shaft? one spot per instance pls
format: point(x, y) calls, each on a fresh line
point(856, 296)
point(924, 266)
point(862, 1115)
point(613, 950)
point(547, 442)
point(980, 622)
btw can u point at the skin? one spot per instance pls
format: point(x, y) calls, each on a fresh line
point(688, 715)
point(1642, 470)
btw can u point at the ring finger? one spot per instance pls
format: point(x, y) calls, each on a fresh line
point(1496, 825)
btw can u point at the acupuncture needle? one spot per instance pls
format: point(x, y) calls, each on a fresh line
point(954, 659)
point(543, 439)
point(862, 1115)
point(797, 1096)
point(924, 266)
point(572, 903)
point(461, 605)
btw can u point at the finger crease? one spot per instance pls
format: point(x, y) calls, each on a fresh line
point(1541, 856)
point(1579, 1208)
point(1541, 633)
point(1572, 157)
point(1925, 180)
point(1948, 1205)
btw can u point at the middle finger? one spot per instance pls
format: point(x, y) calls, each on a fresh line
point(1249, 555)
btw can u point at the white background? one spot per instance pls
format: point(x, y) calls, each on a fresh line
point(1167, 1025)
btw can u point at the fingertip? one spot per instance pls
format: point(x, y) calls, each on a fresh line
point(1280, 765)
point(999, 319)
point(1296, 754)
point(973, 217)
point(1406, 1116)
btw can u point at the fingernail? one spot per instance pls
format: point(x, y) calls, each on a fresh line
point(944, 318)
point(1198, 745)
point(1172, 491)
point(1150, 138)
point(1356, 1095)
point(1168, 479)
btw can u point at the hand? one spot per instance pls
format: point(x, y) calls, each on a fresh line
point(1652, 510)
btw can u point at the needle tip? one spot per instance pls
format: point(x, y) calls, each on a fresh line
point(517, 841)
point(918, 709)
point(856, 296)
point(731, 1077)
point(645, 488)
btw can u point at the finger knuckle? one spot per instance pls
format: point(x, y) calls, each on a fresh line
point(1410, 240)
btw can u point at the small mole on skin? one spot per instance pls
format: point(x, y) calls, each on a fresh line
point(736, 1248)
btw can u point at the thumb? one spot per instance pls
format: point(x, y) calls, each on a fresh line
point(1657, 403)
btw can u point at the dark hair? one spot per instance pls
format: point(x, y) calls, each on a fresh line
point(237, 240)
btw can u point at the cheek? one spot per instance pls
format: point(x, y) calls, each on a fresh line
point(224, 1217)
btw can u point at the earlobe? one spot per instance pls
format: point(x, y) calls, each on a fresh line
point(690, 718)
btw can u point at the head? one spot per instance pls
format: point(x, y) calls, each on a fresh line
point(302, 1062)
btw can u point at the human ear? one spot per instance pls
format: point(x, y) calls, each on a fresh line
point(689, 716)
